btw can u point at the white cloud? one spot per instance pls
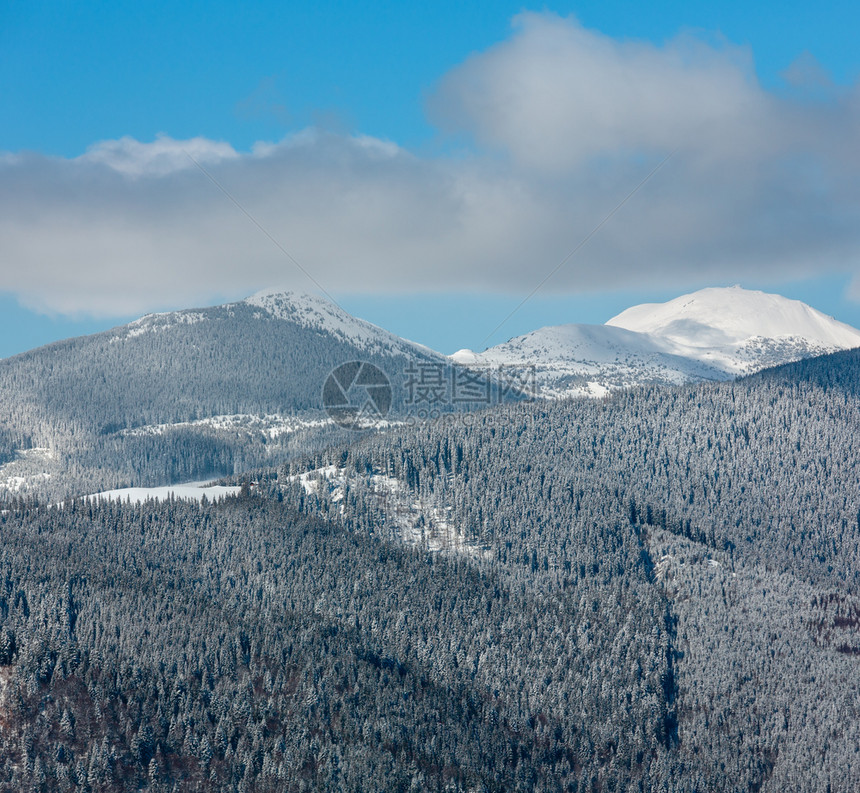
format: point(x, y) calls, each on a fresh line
point(159, 158)
point(556, 94)
point(566, 122)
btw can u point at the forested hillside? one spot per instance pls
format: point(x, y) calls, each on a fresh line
point(242, 647)
point(744, 499)
point(188, 395)
point(658, 591)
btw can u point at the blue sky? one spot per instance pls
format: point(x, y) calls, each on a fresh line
point(75, 75)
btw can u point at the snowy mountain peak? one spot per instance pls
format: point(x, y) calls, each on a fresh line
point(589, 360)
point(272, 299)
point(302, 307)
point(717, 317)
point(712, 334)
point(465, 357)
point(313, 311)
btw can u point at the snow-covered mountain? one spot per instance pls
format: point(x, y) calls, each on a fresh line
point(300, 309)
point(313, 311)
point(189, 394)
point(590, 360)
point(738, 330)
point(712, 334)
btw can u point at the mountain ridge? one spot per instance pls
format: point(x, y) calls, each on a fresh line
point(188, 394)
point(716, 333)
point(185, 395)
point(304, 309)
point(737, 314)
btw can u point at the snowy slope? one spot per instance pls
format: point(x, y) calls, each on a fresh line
point(717, 316)
point(303, 309)
point(713, 334)
point(313, 311)
point(188, 491)
point(738, 330)
point(590, 360)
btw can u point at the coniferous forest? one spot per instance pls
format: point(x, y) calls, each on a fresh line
point(658, 591)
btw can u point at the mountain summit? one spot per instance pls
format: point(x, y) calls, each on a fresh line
point(315, 312)
point(186, 395)
point(301, 310)
point(739, 330)
point(713, 334)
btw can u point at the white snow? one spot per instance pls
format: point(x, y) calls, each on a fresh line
point(191, 491)
point(590, 360)
point(29, 468)
point(412, 520)
point(5, 709)
point(720, 316)
point(273, 426)
point(738, 330)
point(712, 334)
point(15, 484)
point(156, 323)
point(465, 357)
point(594, 344)
point(313, 311)
point(303, 308)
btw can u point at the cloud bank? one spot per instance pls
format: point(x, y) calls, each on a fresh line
point(556, 125)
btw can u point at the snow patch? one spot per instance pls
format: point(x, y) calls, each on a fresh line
point(29, 468)
point(412, 520)
point(465, 357)
point(5, 696)
point(189, 491)
point(273, 426)
point(157, 323)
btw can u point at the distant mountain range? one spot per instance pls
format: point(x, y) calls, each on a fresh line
point(187, 394)
point(205, 392)
point(712, 334)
